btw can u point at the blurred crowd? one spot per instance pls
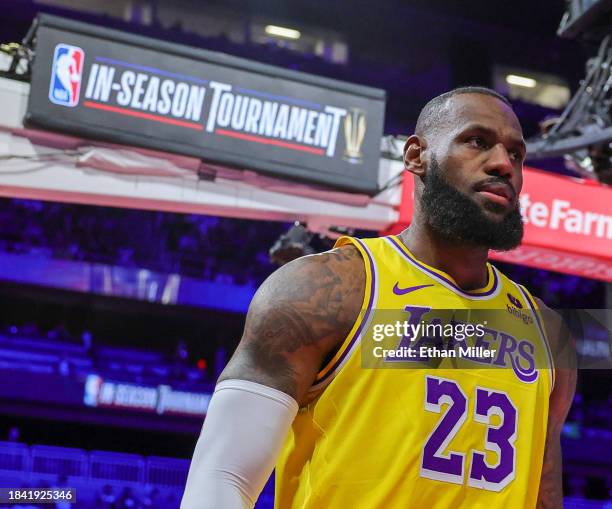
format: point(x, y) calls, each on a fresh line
point(202, 247)
point(71, 356)
point(128, 498)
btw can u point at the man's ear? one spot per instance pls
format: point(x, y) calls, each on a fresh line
point(413, 155)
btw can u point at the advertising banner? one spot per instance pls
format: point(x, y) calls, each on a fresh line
point(568, 224)
point(110, 85)
point(162, 399)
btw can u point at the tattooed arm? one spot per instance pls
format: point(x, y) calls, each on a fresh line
point(296, 320)
point(551, 489)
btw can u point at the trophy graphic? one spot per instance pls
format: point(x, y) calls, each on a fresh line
point(354, 132)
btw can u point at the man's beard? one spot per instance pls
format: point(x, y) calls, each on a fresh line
point(458, 219)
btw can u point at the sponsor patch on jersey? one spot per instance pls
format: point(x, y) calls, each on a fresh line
point(514, 301)
point(515, 308)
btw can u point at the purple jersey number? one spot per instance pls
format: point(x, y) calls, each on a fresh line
point(435, 464)
point(499, 439)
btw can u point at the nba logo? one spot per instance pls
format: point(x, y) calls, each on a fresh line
point(66, 72)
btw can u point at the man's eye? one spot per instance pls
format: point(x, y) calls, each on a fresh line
point(517, 155)
point(477, 142)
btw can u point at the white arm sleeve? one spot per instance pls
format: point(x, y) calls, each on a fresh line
point(244, 430)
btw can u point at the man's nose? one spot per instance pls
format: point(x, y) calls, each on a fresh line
point(499, 162)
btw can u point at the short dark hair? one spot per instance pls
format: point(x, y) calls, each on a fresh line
point(432, 113)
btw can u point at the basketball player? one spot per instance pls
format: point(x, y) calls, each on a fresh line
point(342, 436)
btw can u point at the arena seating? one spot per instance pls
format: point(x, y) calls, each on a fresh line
point(38, 355)
point(100, 478)
point(103, 480)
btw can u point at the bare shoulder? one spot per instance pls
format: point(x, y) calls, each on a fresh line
point(297, 317)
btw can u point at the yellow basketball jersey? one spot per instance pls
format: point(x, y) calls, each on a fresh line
point(389, 432)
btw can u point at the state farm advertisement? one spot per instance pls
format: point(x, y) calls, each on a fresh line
point(568, 224)
point(566, 213)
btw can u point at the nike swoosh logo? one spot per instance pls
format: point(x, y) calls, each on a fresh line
point(403, 291)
